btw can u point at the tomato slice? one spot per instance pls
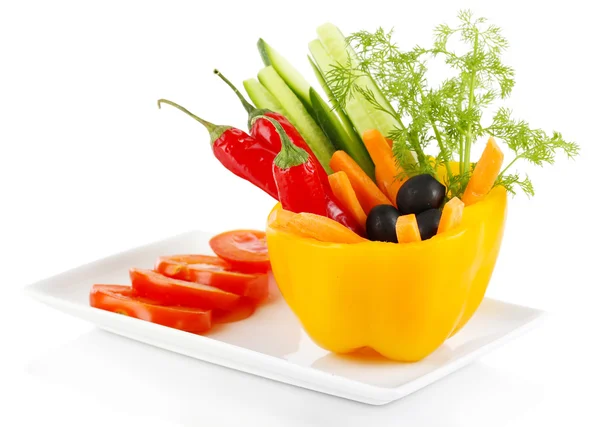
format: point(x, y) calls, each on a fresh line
point(121, 299)
point(242, 310)
point(168, 291)
point(245, 250)
point(213, 271)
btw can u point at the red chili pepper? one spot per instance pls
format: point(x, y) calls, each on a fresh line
point(244, 155)
point(299, 185)
point(263, 130)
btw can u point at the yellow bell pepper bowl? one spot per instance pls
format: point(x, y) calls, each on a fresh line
point(401, 300)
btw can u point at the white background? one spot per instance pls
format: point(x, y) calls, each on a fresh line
point(89, 166)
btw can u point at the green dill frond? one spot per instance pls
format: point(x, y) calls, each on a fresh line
point(447, 116)
point(532, 145)
point(512, 181)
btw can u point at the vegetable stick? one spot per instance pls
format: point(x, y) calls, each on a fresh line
point(367, 192)
point(280, 217)
point(321, 228)
point(451, 215)
point(407, 229)
point(343, 191)
point(380, 183)
point(385, 165)
point(485, 173)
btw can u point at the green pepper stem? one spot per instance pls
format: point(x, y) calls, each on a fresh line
point(290, 155)
point(215, 131)
point(247, 106)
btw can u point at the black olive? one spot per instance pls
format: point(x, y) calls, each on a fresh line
point(428, 223)
point(381, 223)
point(419, 193)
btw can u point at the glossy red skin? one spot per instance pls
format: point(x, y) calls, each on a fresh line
point(167, 291)
point(121, 299)
point(337, 213)
point(247, 157)
point(300, 189)
point(214, 271)
point(264, 131)
point(245, 250)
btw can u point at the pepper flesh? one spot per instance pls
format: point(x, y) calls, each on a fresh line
point(401, 300)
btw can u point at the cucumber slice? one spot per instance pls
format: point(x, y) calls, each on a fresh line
point(261, 97)
point(287, 72)
point(336, 133)
point(297, 114)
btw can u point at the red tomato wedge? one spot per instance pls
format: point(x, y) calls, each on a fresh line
point(121, 299)
point(245, 250)
point(168, 291)
point(213, 271)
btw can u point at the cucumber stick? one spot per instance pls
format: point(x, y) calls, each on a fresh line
point(319, 110)
point(261, 97)
point(295, 81)
point(297, 114)
point(333, 128)
point(334, 43)
point(355, 106)
point(343, 116)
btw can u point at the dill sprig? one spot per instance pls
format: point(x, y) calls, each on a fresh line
point(449, 114)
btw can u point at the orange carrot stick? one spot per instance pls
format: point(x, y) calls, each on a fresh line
point(380, 182)
point(366, 191)
point(451, 215)
point(485, 173)
point(407, 229)
point(343, 191)
point(321, 228)
point(385, 166)
point(279, 218)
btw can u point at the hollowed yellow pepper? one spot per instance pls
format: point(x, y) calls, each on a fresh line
point(401, 300)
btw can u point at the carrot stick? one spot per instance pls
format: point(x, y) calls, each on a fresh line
point(279, 218)
point(390, 142)
point(385, 166)
point(367, 192)
point(407, 229)
point(485, 173)
point(321, 228)
point(451, 215)
point(380, 182)
point(343, 191)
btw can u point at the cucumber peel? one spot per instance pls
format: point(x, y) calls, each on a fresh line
point(341, 113)
point(354, 106)
point(333, 128)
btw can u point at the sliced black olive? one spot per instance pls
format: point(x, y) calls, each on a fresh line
point(428, 223)
point(381, 223)
point(419, 193)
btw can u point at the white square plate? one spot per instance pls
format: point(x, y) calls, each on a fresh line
point(271, 343)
